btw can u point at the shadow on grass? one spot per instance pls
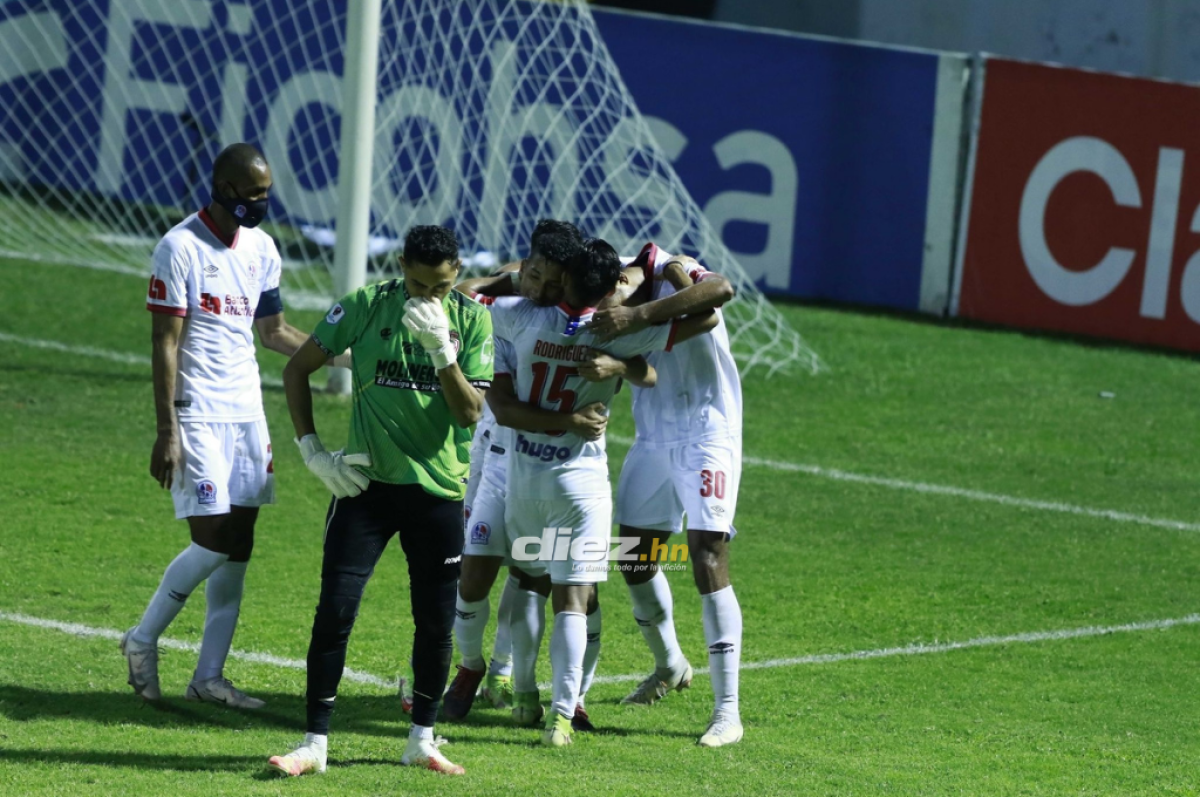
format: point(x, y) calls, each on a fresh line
point(133, 760)
point(364, 714)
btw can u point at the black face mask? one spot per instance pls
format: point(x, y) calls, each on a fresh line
point(246, 212)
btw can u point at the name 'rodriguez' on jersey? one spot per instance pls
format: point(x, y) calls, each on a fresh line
point(539, 348)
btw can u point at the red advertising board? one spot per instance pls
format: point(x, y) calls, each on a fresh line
point(1085, 208)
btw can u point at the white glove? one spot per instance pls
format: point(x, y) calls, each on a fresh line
point(426, 319)
point(334, 469)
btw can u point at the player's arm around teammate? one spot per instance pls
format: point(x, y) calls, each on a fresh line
point(421, 359)
point(686, 459)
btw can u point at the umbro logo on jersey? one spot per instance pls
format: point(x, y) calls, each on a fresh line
point(210, 270)
point(385, 333)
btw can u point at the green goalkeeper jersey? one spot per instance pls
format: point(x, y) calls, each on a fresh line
point(399, 415)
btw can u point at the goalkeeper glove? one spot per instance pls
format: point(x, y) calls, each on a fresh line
point(427, 321)
point(334, 468)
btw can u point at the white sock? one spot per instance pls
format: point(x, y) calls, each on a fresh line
point(421, 732)
point(528, 623)
point(591, 653)
point(502, 648)
point(470, 620)
point(653, 609)
point(567, 645)
point(317, 741)
point(184, 574)
point(723, 634)
point(223, 594)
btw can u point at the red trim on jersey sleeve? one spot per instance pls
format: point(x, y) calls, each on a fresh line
point(673, 333)
point(486, 301)
point(646, 258)
point(215, 230)
point(166, 309)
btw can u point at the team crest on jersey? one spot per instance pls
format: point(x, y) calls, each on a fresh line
point(385, 333)
point(480, 533)
point(335, 314)
point(206, 492)
point(455, 340)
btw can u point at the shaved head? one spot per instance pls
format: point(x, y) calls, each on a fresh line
point(236, 163)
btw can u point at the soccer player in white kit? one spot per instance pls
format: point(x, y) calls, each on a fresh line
point(215, 279)
point(539, 279)
point(686, 460)
point(559, 496)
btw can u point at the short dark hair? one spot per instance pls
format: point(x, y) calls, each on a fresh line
point(430, 245)
point(557, 241)
point(593, 272)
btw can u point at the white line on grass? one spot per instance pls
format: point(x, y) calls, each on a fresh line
point(793, 467)
point(102, 354)
point(918, 649)
point(76, 629)
point(956, 492)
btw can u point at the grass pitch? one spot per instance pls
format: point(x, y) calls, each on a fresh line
point(824, 565)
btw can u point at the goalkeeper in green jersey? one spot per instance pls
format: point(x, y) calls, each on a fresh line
point(422, 359)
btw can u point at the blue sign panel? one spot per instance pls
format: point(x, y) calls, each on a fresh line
point(810, 156)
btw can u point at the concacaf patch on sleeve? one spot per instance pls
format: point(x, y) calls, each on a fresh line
point(335, 314)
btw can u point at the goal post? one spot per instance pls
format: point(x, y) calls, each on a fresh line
point(488, 115)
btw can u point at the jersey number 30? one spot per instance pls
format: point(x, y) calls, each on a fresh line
point(712, 483)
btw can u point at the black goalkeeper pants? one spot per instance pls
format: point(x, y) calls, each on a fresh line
point(356, 532)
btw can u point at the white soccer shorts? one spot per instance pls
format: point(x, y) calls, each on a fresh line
point(569, 538)
point(223, 464)
point(483, 508)
point(659, 486)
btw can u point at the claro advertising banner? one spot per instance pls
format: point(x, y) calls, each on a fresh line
point(1084, 212)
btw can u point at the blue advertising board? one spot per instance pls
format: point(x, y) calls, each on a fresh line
point(810, 156)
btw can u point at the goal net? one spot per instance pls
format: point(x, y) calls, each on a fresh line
point(491, 115)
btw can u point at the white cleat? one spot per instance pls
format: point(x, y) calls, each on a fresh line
point(309, 757)
point(424, 753)
point(221, 690)
point(722, 731)
point(143, 666)
point(655, 688)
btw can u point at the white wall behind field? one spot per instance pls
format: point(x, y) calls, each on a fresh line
point(1157, 38)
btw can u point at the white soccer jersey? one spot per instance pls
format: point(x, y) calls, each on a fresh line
point(540, 347)
point(698, 396)
point(217, 288)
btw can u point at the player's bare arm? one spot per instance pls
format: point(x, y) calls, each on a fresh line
point(306, 360)
point(464, 400)
point(604, 366)
point(711, 292)
point(589, 422)
point(166, 456)
point(278, 335)
point(696, 325)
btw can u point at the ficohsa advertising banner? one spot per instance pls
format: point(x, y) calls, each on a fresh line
point(1085, 207)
